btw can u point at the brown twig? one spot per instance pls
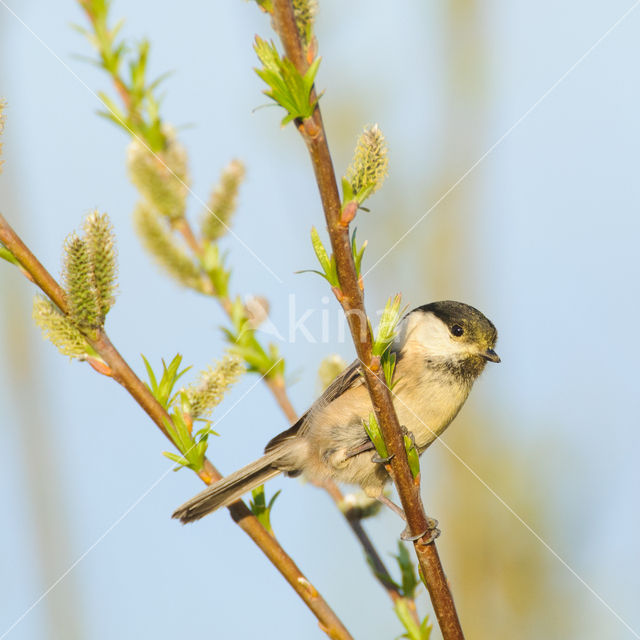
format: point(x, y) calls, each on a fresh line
point(355, 522)
point(352, 300)
point(121, 372)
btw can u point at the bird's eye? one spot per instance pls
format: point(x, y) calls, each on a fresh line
point(457, 330)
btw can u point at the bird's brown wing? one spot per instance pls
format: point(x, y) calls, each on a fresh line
point(348, 379)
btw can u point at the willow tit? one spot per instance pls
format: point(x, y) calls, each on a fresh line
point(440, 348)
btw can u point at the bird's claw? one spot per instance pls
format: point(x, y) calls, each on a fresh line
point(409, 435)
point(430, 533)
point(378, 460)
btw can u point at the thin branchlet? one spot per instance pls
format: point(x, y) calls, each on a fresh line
point(162, 179)
point(59, 330)
point(212, 384)
point(222, 203)
point(370, 163)
point(100, 243)
point(165, 248)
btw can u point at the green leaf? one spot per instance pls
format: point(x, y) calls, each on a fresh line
point(425, 629)
point(5, 254)
point(140, 116)
point(193, 448)
point(287, 87)
point(163, 390)
point(182, 462)
point(382, 576)
point(153, 384)
point(414, 630)
point(310, 78)
point(388, 323)
point(373, 431)
point(260, 508)
point(265, 5)
point(159, 80)
point(113, 111)
point(407, 571)
point(327, 263)
point(412, 456)
point(388, 368)
point(213, 263)
point(357, 253)
point(347, 192)
point(320, 251)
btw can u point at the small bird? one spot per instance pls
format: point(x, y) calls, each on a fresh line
point(440, 349)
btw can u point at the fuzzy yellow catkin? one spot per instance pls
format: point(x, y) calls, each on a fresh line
point(165, 248)
point(207, 392)
point(370, 163)
point(58, 329)
point(84, 310)
point(222, 203)
point(100, 242)
point(305, 13)
point(162, 178)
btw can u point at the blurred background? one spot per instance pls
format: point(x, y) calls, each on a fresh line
point(537, 502)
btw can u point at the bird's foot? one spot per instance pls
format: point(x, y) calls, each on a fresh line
point(409, 435)
point(378, 460)
point(429, 534)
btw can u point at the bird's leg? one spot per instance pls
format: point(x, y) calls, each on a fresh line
point(392, 505)
point(409, 435)
point(378, 460)
point(432, 524)
point(367, 445)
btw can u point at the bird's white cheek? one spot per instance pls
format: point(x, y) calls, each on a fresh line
point(429, 334)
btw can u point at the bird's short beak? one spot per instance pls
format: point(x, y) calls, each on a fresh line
point(490, 354)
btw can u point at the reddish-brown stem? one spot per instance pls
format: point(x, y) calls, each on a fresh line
point(121, 372)
point(279, 390)
point(352, 300)
point(183, 226)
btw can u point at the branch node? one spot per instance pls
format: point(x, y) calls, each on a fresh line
point(348, 213)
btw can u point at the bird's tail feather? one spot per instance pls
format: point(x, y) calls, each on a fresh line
point(229, 489)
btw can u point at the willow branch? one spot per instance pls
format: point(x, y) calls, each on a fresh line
point(352, 299)
point(119, 84)
point(122, 373)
